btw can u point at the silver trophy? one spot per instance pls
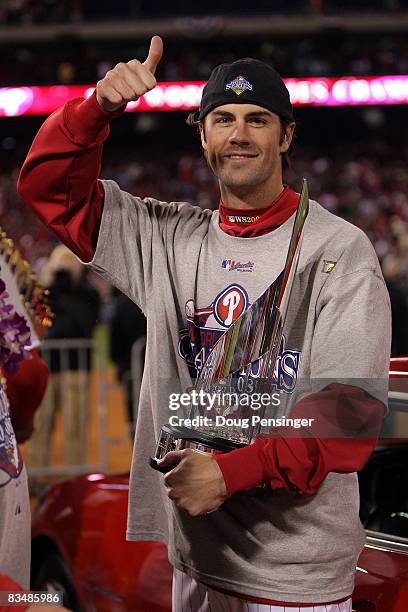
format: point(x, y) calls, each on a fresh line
point(226, 374)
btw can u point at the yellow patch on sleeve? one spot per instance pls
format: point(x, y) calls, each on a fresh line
point(328, 266)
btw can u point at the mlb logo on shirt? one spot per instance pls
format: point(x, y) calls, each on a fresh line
point(238, 266)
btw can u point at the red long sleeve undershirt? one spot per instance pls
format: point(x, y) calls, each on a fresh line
point(59, 181)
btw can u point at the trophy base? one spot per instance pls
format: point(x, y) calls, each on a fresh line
point(178, 438)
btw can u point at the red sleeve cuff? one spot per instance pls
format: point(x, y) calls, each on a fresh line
point(87, 122)
point(242, 468)
point(341, 444)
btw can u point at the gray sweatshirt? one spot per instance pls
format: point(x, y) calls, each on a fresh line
point(172, 260)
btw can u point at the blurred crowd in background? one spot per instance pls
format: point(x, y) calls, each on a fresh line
point(370, 190)
point(55, 11)
point(77, 61)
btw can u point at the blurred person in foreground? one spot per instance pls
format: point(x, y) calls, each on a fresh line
point(75, 304)
point(14, 501)
point(297, 545)
point(22, 387)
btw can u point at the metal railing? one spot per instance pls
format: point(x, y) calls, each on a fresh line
point(76, 392)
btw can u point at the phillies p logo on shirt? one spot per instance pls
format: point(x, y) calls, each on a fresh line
point(230, 304)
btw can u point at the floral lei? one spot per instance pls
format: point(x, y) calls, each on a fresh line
point(14, 335)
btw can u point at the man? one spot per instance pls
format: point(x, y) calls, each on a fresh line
point(297, 545)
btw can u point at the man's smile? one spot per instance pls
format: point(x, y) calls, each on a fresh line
point(241, 156)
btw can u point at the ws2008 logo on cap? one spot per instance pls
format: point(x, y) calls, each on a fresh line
point(239, 85)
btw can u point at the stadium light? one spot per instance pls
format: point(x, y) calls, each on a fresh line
point(186, 95)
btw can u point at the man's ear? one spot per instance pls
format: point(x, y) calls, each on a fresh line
point(287, 139)
point(202, 135)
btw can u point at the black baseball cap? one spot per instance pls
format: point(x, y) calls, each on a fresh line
point(246, 81)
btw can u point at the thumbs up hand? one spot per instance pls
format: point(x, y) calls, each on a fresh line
point(127, 82)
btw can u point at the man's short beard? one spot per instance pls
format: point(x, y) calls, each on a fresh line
point(241, 189)
point(233, 185)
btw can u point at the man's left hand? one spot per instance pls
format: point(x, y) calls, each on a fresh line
point(196, 482)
